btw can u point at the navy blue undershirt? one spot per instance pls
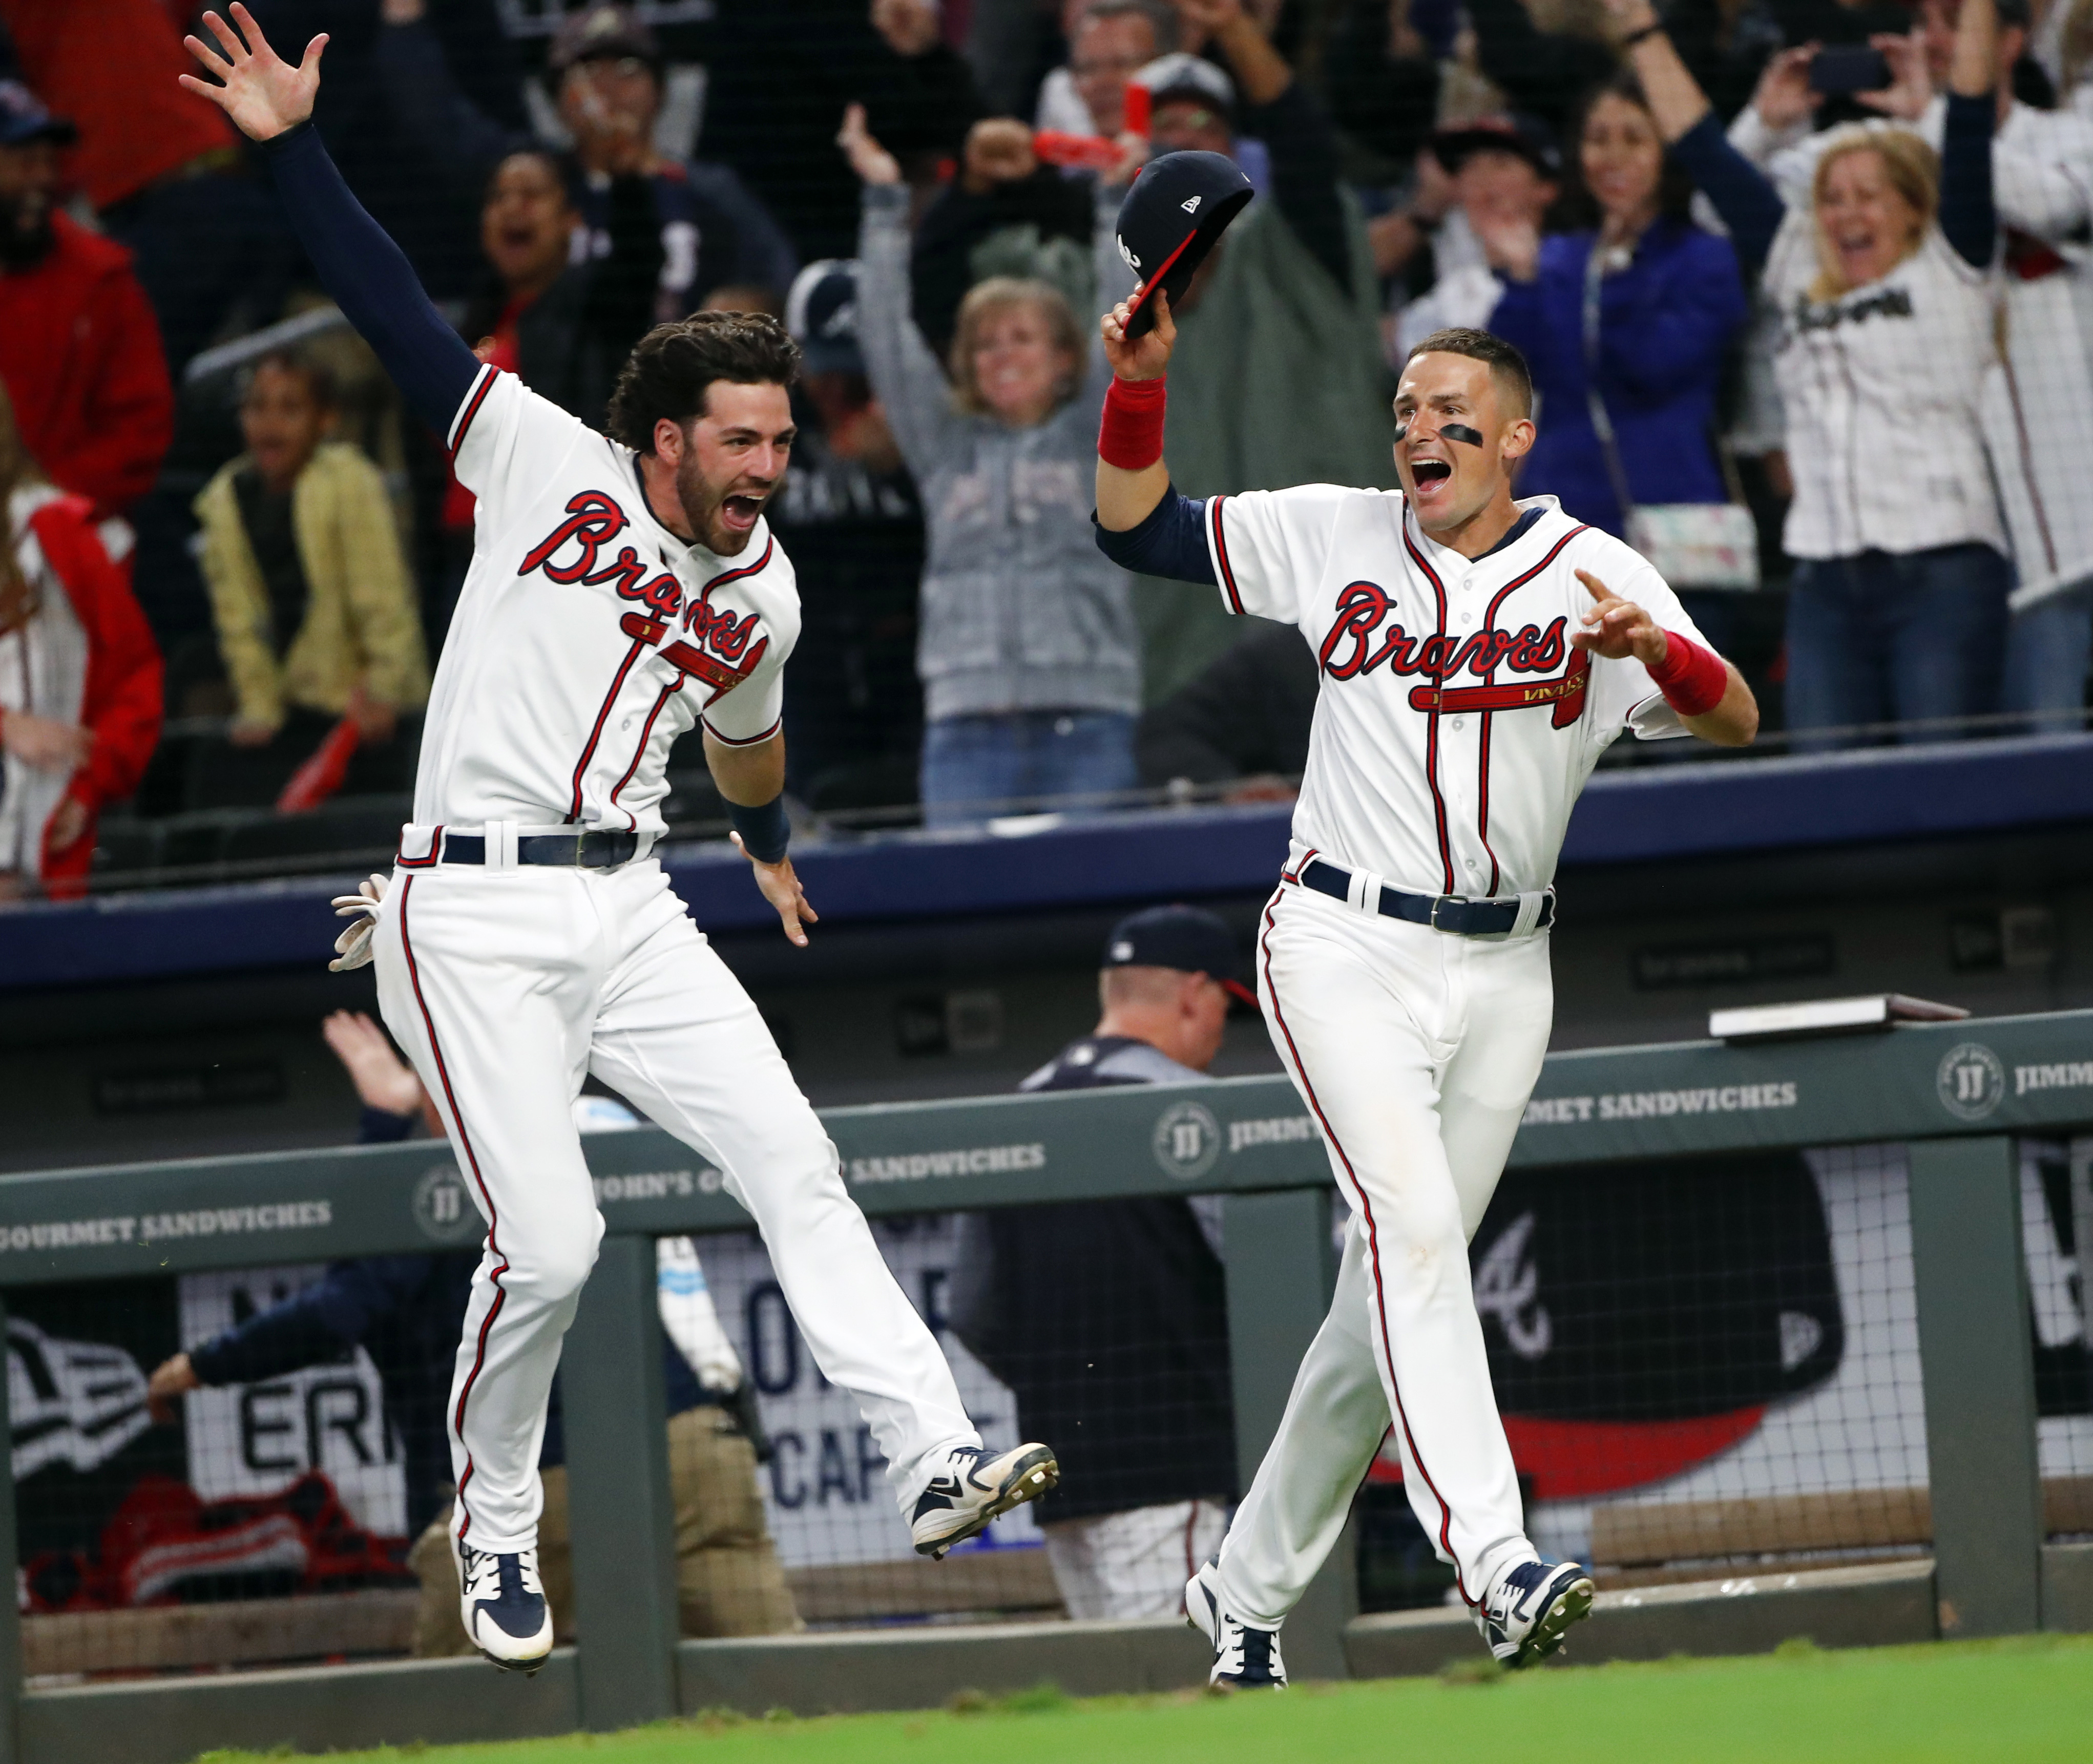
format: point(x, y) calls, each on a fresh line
point(1172, 542)
point(371, 279)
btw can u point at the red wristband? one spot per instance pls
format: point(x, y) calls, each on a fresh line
point(1130, 433)
point(1692, 679)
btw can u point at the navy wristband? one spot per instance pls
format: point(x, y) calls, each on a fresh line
point(764, 831)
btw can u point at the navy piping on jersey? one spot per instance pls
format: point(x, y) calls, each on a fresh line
point(1221, 551)
point(741, 741)
point(756, 569)
point(435, 857)
point(639, 750)
point(1489, 623)
point(1170, 541)
point(1431, 716)
point(471, 410)
point(493, 1218)
point(596, 735)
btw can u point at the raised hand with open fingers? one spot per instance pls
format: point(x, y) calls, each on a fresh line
point(262, 93)
point(1618, 629)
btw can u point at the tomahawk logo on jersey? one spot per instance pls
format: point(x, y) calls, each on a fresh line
point(1456, 723)
point(624, 634)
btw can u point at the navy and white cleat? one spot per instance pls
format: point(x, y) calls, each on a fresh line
point(1528, 1606)
point(503, 1603)
point(975, 1487)
point(1245, 1657)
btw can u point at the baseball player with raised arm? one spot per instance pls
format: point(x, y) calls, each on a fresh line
point(1477, 655)
point(621, 589)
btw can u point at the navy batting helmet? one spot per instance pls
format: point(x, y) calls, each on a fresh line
point(1172, 217)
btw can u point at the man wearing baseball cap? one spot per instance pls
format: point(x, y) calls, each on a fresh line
point(714, 231)
point(851, 518)
point(1110, 1318)
point(1503, 173)
point(1278, 377)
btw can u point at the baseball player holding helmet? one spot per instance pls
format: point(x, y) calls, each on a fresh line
point(621, 589)
point(1477, 654)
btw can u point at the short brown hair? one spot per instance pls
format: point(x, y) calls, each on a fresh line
point(671, 370)
point(1514, 378)
point(984, 300)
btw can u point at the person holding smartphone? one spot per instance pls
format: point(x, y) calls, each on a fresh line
point(1897, 612)
point(2039, 398)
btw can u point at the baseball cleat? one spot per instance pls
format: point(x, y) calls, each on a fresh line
point(1245, 1657)
point(503, 1603)
point(975, 1487)
point(1529, 1605)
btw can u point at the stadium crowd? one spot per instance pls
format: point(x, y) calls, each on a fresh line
point(1806, 286)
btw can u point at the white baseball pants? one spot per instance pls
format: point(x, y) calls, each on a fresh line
point(504, 986)
point(1415, 1051)
point(1134, 1564)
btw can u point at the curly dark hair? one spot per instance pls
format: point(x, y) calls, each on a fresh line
point(670, 369)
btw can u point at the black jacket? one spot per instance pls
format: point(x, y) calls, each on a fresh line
point(1248, 712)
point(1108, 1320)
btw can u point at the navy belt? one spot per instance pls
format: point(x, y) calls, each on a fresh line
point(568, 850)
point(1442, 913)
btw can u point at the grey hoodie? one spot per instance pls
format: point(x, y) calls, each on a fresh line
point(1020, 610)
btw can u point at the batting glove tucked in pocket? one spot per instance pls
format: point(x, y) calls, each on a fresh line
point(352, 949)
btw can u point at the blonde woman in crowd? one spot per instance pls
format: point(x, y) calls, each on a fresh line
point(2038, 397)
point(1029, 655)
point(1898, 609)
point(80, 679)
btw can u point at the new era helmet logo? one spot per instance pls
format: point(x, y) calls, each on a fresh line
point(1133, 262)
point(1189, 205)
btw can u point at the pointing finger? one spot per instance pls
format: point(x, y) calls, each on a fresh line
point(1597, 587)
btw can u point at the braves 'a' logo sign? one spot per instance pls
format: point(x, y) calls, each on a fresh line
point(1363, 637)
point(720, 651)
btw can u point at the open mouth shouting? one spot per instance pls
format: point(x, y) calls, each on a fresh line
point(1432, 479)
point(739, 511)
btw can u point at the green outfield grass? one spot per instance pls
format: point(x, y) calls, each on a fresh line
point(2030, 1699)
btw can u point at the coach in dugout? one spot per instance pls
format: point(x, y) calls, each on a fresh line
point(1108, 1320)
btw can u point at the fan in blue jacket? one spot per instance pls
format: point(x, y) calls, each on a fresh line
point(1670, 301)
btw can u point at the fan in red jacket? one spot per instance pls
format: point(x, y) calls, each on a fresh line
point(79, 348)
point(80, 680)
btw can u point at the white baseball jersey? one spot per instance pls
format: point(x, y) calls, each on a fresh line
point(588, 636)
point(1455, 724)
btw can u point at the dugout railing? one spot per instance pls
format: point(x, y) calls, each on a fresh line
point(1957, 1095)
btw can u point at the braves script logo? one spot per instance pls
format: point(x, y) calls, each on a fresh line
point(1351, 650)
point(719, 651)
